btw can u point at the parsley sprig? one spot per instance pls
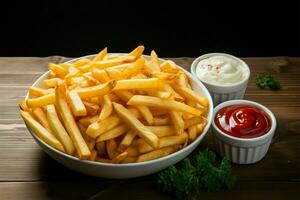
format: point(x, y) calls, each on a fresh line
point(186, 180)
point(267, 81)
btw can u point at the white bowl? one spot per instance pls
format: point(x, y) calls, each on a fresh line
point(130, 170)
point(221, 93)
point(243, 150)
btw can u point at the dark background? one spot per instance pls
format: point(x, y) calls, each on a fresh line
point(172, 28)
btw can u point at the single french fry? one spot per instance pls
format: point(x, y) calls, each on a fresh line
point(155, 61)
point(146, 113)
point(119, 158)
point(201, 126)
point(131, 84)
point(192, 121)
point(113, 62)
point(93, 156)
point(182, 80)
point(99, 127)
point(136, 125)
point(113, 133)
point(81, 62)
point(163, 103)
point(192, 132)
point(133, 68)
point(127, 140)
point(41, 117)
point(162, 131)
point(41, 132)
point(157, 153)
point(107, 108)
point(111, 148)
point(52, 82)
point(143, 147)
point(177, 122)
point(101, 149)
point(70, 124)
point(137, 52)
point(86, 121)
point(91, 108)
point(38, 92)
point(190, 94)
point(95, 91)
point(58, 130)
point(101, 75)
point(100, 56)
point(77, 106)
point(169, 67)
point(57, 69)
point(41, 101)
point(159, 121)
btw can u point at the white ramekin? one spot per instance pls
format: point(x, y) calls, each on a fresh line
point(221, 93)
point(242, 150)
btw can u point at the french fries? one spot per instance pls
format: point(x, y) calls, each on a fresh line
point(116, 108)
point(76, 104)
point(134, 84)
point(70, 124)
point(58, 130)
point(41, 101)
point(157, 153)
point(136, 125)
point(106, 108)
point(95, 91)
point(41, 131)
point(164, 103)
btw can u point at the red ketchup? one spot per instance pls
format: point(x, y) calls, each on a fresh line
point(243, 121)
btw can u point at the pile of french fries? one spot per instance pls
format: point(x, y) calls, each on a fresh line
point(116, 108)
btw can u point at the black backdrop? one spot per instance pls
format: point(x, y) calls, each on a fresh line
point(172, 28)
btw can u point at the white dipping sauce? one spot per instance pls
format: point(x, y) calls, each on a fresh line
point(221, 70)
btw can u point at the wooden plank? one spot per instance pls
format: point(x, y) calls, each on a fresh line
point(139, 189)
point(28, 65)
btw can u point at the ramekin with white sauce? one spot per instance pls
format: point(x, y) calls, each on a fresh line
point(225, 76)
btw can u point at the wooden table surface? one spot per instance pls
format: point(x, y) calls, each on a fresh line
point(26, 172)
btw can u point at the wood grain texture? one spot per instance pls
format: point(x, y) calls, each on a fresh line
point(28, 173)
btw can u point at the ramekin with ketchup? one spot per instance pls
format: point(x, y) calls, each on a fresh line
point(243, 130)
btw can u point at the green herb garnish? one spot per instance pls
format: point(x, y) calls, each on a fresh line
point(267, 81)
point(188, 179)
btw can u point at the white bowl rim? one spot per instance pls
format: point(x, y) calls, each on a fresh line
point(199, 138)
point(197, 60)
point(245, 102)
